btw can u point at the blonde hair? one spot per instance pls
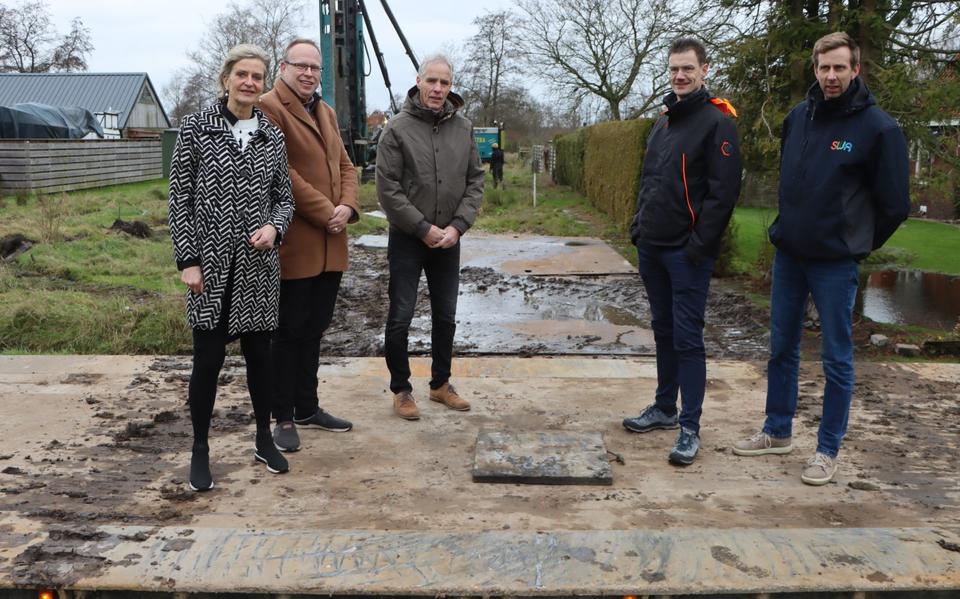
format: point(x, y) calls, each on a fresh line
point(832, 41)
point(235, 55)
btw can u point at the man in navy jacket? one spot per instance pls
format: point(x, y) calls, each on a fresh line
point(843, 193)
point(689, 186)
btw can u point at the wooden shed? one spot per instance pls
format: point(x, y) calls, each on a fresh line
point(130, 96)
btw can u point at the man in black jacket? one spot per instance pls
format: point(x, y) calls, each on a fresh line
point(843, 192)
point(496, 164)
point(689, 186)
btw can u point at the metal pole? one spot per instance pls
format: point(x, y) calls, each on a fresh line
point(534, 189)
point(403, 40)
point(379, 55)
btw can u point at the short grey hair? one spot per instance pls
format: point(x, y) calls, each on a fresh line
point(235, 55)
point(433, 59)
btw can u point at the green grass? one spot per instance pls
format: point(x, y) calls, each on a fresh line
point(84, 288)
point(917, 244)
point(933, 246)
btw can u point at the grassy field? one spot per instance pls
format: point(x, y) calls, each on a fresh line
point(86, 289)
point(918, 244)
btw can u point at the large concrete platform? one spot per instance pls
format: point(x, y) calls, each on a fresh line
point(95, 453)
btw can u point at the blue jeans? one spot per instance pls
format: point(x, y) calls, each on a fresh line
point(833, 284)
point(677, 290)
point(408, 256)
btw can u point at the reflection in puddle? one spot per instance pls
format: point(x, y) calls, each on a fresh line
point(912, 297)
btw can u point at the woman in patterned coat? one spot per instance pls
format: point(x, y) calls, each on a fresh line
point(230, 203)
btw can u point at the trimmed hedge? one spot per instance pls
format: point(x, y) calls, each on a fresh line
point(570, 150)
point(603, 162)
point(613, 159)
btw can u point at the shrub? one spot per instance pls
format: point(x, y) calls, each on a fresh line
point(570, 150)
point(612, 162)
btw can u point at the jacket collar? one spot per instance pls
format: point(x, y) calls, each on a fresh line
point(857, 97)
point(294, 105)
point(677, 107)
point(214, 119)
point(414, 107)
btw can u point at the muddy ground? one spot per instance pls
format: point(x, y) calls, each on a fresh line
point(120, 457)
point(613, 306)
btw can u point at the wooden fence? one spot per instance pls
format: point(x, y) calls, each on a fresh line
point(47, 166)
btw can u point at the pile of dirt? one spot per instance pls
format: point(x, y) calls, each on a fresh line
point(136, 228)
point(13, 245)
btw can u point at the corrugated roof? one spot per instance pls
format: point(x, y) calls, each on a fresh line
point(97, 92)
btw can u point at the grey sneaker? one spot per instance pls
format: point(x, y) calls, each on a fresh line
point(686, 448)
point(763, 444)
point(285, 436)
point(819, 469)
point(652, 418)
point(326, 421)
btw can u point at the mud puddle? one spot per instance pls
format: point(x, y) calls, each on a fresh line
point(526, 314)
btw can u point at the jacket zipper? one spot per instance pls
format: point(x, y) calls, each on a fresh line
point(686, 192)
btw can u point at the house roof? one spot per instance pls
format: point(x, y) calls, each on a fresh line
point(97, 92)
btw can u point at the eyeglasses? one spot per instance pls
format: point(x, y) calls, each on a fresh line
point(303, 67)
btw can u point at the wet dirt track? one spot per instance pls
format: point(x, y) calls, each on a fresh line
point(523, 295)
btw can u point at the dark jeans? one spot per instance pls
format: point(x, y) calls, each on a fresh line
point(306, 309)
point(209, 350)
point(833, 284)
point(497, 171)
point(677, 291)
point(408, 257)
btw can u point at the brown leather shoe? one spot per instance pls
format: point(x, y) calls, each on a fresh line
point(447, 395)
point(405, 407)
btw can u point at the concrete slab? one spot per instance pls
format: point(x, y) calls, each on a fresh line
point(541, 458)
point(95, 456)
point(638, 562)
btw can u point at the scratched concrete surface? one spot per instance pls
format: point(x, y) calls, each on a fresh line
point(95, 455)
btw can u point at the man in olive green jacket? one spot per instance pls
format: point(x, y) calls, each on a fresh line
point(430, 185)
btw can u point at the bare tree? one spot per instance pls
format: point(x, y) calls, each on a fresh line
point(491, 60)
point(29, 43)
point(598, 48)
point(270, 24)
point(185, 93)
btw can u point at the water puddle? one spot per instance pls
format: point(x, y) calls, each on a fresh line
point(912, 297)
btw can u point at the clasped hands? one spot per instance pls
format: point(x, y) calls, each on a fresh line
point(442, 238)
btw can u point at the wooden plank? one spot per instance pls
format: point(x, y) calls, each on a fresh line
point(95, 178)
point(85, 177)
point(106, 152)
point(100, 165)
point(77, 186)
point(47, 176)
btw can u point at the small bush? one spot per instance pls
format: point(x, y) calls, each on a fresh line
point(52, 210)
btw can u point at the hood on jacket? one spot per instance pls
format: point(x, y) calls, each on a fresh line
point(451, 105)
point(856, 98)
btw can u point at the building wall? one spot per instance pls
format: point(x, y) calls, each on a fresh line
point(146, 112)
point(47, 166)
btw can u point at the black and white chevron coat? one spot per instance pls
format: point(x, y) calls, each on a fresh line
point(220, 196)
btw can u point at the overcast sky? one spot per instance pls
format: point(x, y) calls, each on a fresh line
point(154, 36)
